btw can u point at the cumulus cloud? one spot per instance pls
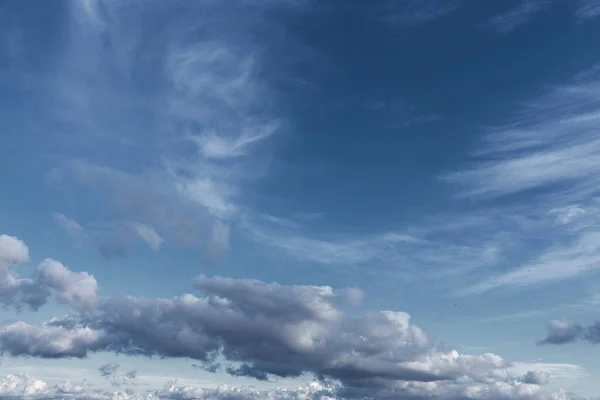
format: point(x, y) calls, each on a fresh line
point(24, 386)
point(536, 377)
point(262, 330)
point(74, 288)
point(563, 332)
point(12, 250)
point(77, 289)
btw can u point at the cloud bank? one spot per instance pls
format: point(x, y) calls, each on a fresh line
point(261, 330)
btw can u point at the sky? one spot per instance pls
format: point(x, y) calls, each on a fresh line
point(299, 199)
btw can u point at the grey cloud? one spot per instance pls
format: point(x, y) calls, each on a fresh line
point(74, 288)
point(561, 332)
point(267, 329)
point(114, 240)
point(592, 332)
point(109, 371)
point(49, 341)
point(536, 377)
point(77, 289)
point(261, 330)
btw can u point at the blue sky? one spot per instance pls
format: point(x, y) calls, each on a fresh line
point(303, 166)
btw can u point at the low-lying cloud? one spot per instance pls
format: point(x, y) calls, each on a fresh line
point(261, 330)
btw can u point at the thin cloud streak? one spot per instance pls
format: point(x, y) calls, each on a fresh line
point(549, 152)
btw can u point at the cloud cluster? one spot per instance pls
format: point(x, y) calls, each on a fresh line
point(563, 332)
point(23, 386)
point(262, 330)
point(77, 289)
point(110, 372)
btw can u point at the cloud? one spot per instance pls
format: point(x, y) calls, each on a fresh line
point(23, 386)
point(555, 371)
point(550, 142)
point(513, 317)
point(261, 330)
point(183, 157)
point(561, 332)
point(149, 235)
point(412, 13)
point(77, 289)
point(12, 250)
point(548, 152)
point(536, 377)
point(109, 371)
point(588, 9)
point(218, 242)
point(555, 264)
point(564, 332)
point(71, 227)
point(516, 16)
point(112, 240)
point(525, 11)
point(566, 215)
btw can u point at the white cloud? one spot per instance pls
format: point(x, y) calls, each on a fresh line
point(149, 235)
point(12, 250)
point(565, 215)
point(77, 289)
point(559, 263)
point(549, 152)
point(552, 141)
point(514, 317)
point(555, 371)
point(71, 227)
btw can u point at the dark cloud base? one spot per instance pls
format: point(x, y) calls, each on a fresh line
point(255, 329)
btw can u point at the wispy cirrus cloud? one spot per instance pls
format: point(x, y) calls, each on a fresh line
point(149, 235)
point(524, 11)
point(516, 16)
point(555, 264)
point(412, 13)
point(111, 240)
point(192, 138)
point(549, 152)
